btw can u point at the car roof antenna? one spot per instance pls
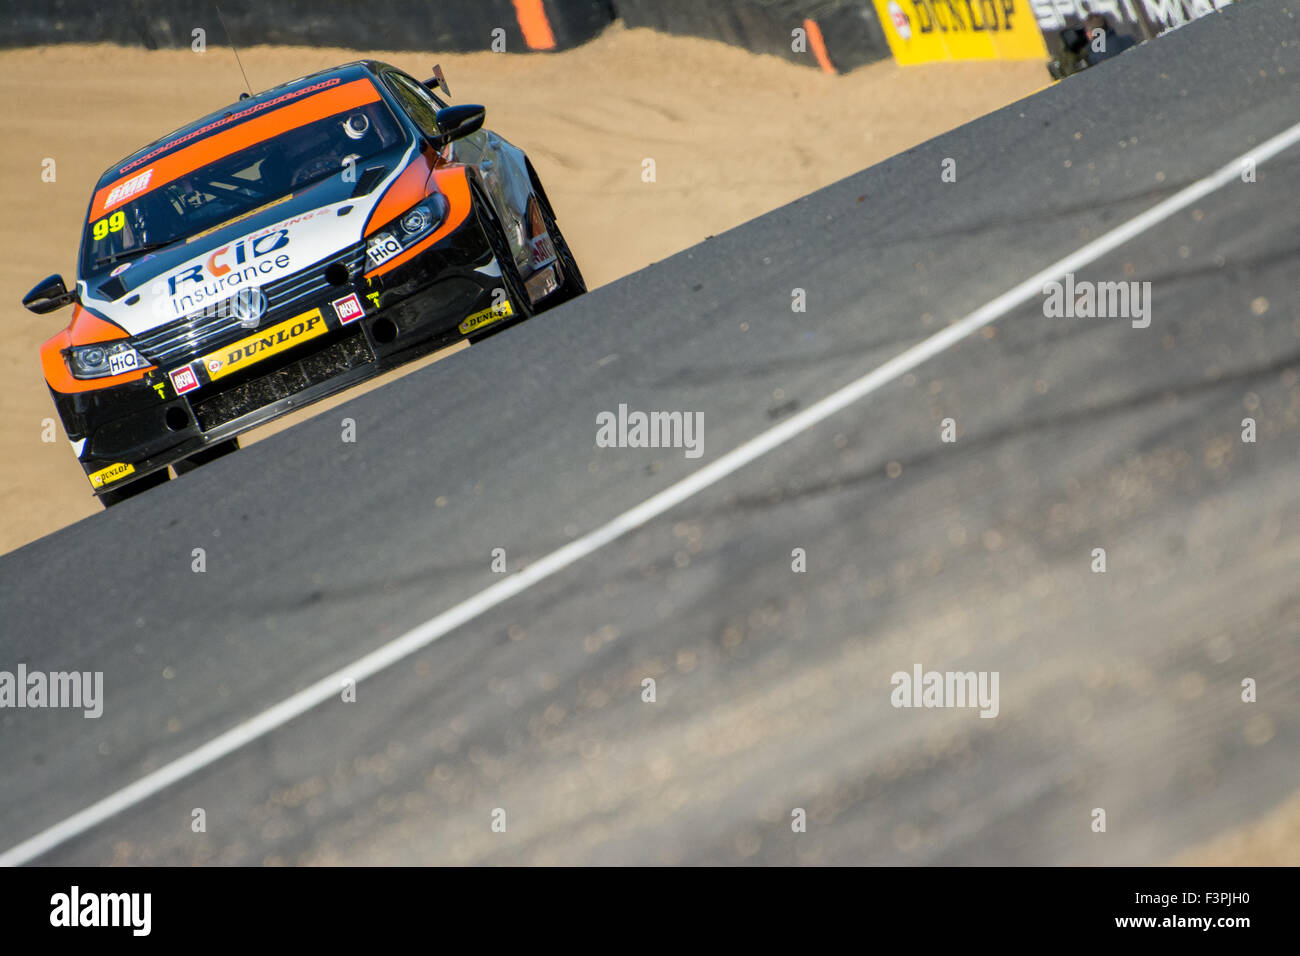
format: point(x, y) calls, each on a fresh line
point(242, 96)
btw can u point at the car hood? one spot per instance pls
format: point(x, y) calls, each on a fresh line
point(274, 241)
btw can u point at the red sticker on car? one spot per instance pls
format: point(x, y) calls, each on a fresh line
point(348, 309)
point(183, 380)
point(543, 250)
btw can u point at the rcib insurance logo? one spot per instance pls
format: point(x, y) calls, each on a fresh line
point(348, 309)
point(184, 380)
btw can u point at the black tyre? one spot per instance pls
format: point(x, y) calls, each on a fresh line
point(211, 453)
point(139, 486)
point(510, 278)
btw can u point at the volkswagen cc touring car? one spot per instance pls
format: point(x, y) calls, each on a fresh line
point(281, 250)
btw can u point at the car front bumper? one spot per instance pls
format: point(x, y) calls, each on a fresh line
point(128, 431)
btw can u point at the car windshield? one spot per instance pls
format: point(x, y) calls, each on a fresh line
point(237, 184)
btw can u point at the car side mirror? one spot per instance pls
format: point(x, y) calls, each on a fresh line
point(457, 122)
point(49, 294)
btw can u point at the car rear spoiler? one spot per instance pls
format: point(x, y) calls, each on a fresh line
point(438, 81)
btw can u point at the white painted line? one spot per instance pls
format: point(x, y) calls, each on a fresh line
point(467, 610)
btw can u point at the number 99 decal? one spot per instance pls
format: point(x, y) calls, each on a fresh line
point(113, 223)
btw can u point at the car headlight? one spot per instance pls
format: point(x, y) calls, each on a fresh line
point(422, 219)
point(103, 359)
point(417, 221)
point(407, 229)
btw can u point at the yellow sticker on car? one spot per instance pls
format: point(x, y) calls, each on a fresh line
point(262, 345)
point(106, 476)
point(489, 315)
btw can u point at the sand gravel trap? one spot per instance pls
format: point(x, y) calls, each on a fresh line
point(732, 135)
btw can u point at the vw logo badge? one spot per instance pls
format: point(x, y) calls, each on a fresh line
point(248, 306)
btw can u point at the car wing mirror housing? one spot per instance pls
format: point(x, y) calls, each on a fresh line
point(457, 122)
point(49, 294)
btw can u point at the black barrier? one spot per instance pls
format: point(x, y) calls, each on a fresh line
point(836, 35)
point(435, 25)
point(839, 34)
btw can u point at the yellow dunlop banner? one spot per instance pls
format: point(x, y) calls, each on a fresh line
point(926, 31)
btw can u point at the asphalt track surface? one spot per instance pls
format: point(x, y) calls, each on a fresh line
point(1118, 690)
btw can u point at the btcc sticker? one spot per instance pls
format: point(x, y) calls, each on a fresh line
point(489, 315)
point(124, 191)
point(269, 341)
point(382, 248)
point(348, 308)
point(106, 476)
point(183, 379)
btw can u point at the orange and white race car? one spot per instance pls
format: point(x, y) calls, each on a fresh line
point(280, 250)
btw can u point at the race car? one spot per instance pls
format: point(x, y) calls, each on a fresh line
point(280, 250)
